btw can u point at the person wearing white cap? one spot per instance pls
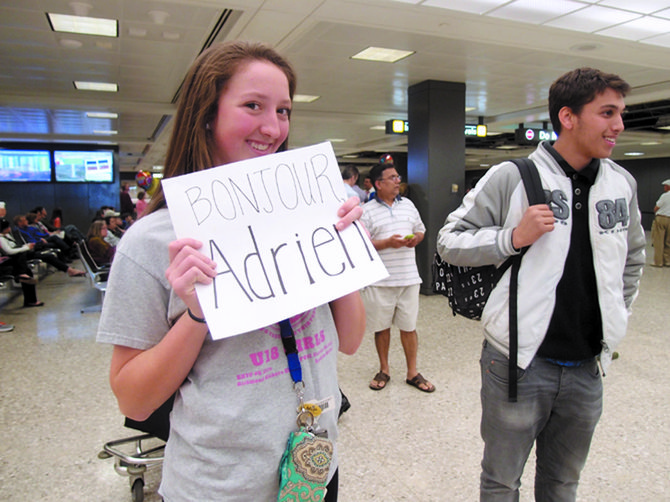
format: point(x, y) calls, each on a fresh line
point(660, 235)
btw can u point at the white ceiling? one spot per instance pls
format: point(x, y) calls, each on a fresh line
point(508, 52)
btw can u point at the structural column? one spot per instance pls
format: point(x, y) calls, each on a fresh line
point(436, 160)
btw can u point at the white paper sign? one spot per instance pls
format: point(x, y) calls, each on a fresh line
point(269, 224)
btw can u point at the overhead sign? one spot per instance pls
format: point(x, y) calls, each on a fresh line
point(530, 136)
point(479, 130)
point(397, 126)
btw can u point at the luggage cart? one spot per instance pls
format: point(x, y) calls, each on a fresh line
point(135, 455)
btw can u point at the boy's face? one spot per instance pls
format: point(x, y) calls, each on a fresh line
point(596, 128)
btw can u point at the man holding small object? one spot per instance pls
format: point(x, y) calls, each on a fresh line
point(395, 228)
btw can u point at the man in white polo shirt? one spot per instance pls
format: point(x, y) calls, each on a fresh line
point(395, 228)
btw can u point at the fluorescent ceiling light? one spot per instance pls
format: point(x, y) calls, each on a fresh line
point(304, 98)
point(382, 55)
point(96, 86)
point(634, 154)
point(106, 133)
point(336, 140)
point(506, 147)
point(84, 25)
point(470, 109)
point(378, 128)
point(651, 143)
point(102, 115)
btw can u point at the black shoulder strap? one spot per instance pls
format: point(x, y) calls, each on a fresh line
point(531, 181)
point(535, 194)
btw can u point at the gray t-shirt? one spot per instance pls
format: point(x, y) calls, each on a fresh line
point(233, 415)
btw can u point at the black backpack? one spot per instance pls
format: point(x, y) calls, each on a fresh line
point(468, 288)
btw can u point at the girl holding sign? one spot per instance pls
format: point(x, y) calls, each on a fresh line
point(235, 403)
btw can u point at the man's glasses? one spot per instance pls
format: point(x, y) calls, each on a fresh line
point(395, 177)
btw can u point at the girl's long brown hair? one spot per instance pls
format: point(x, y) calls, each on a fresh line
point(191, 144)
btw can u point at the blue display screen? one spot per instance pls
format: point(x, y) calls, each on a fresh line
point(25, 165)
point(84, 166)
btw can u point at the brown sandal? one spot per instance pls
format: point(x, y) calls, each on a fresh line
point(418, 380)
point(380, 378)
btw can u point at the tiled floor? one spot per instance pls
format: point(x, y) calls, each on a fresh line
point(397, 444)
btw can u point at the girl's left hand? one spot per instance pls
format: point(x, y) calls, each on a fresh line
point(349, 212)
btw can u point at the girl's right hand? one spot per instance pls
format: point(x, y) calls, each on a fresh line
point(188, 266)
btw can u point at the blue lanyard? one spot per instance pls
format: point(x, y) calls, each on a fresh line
point(291, 350)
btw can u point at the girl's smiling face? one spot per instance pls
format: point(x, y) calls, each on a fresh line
point(253, 113)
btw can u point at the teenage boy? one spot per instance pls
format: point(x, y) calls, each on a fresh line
point(575, 289)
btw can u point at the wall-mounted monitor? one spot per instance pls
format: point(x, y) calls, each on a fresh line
point(25, 165)
point(84, 166)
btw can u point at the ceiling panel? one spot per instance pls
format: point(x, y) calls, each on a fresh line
point(507, 65)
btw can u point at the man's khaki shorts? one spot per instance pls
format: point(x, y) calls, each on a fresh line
point(392, 305)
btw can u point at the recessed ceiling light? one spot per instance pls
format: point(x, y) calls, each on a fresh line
point(507, 147)
point(137, 32)
point(102, 115)
point(304, 98)
point(651, 143)
point(634, 154)
point(381, 54)
point(106, 133)
point(378, 128)
point(350, 156)
point(336, 140)
point(84, 25)
point(96, 86)
point(158, 16)
point(68, 43)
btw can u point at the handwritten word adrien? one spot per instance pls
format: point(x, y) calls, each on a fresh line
point(259, 275)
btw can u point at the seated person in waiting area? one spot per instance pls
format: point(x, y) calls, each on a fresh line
point(17, 240)
point(114, 227)
point(16, 258)
point(53, 239)
point(30, 234)
point(101, 251)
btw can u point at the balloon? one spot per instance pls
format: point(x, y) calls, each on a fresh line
point(154, 185)
point(386, 159)
point(144, 179)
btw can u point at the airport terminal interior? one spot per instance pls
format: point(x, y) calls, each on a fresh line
point(398, 444)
